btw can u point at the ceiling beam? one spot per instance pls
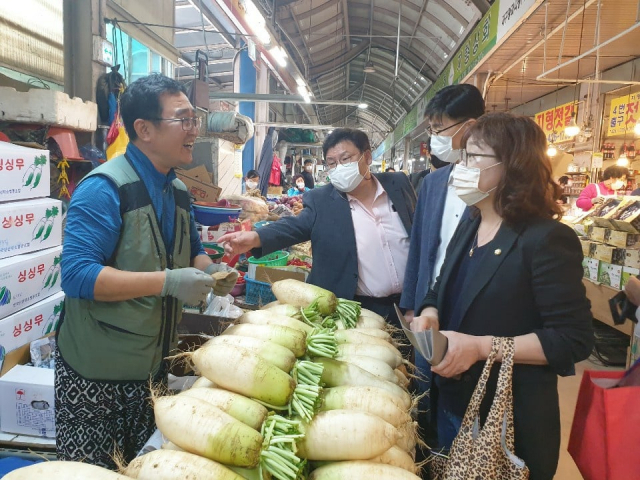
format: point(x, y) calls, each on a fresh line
point(213, 20)
point(481, 5)
point(319, 9)
point(338, 62)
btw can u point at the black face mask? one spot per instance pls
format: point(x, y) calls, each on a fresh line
point(437, 163)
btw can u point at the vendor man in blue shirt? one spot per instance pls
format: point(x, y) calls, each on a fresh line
point(132, 258)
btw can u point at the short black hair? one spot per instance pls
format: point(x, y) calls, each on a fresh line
point(563, 180)
point(428, 142)
point(308, 160)
point(253, 174)
point(458, 102)
point(614, 171)
point(296, 177)
point(141, 99)
point(389, 169)
point(357, 137)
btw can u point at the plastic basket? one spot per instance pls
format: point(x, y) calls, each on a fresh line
point(275, 259)
point(258, 293)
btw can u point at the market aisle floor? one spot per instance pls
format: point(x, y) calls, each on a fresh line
point(568, 389)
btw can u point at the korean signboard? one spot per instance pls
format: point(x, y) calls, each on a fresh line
point(511, 12)
point(623, 114)
point(555, 120)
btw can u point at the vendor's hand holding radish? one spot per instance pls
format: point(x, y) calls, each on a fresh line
point(239, 242)
point(190, 285)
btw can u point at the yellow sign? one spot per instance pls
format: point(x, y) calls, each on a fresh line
point(623, 114)
point(554, 121)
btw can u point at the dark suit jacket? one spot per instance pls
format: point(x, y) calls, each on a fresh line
point(529, 281)
point(326, 221)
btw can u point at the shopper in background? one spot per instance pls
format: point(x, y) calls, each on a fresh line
point(358, 226)
point(450, 112)
point(307, 173)
point(390, 169)
point(563, 182)
point(252, 180)
point(299, 187)
point(132, 258)
point(511, 270)
point(614, 178)
point(434, 164)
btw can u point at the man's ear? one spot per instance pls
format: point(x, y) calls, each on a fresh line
point(368, 157)
point(143, 129)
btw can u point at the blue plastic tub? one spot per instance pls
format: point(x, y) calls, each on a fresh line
point(215, 216)
point(258, 293)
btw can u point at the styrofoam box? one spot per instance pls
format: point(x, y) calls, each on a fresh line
point(47, 106)
point(27, 279)
point(24, 172)
point(24, 226)
point(27, 401)
point(31, 323)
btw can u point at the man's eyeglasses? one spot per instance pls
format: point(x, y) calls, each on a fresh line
point(473, 158)
point(332, 163)
point(432, 131)
point(188, 123)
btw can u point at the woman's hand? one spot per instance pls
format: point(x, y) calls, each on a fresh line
point(428, 319)
point(597, 200)
point(463, 351)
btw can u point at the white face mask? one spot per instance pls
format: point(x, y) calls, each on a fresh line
point(251, 184)
point(465, 180)
point(300, 186)
point(308, 168)
point(346, 177)
point(442, 147)
point(617, 185)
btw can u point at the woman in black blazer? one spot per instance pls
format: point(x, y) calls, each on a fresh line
point(512, 270)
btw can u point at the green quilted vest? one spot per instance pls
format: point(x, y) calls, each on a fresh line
point(127, 341)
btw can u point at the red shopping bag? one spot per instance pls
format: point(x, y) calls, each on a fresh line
point(605, 436)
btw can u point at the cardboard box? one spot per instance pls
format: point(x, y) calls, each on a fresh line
point(610, 275)
point(621, 239)
point(212, 234)
point(30, 225)
point(199, 184)
point(24, 172)
point(627, 273)
point(27, 279)
point(273, 274)
point(631, 258)
point(31, 323)
point(591, 266)
point(604, 253)
point(588, 246)
point(27, 401)
point(598, 234)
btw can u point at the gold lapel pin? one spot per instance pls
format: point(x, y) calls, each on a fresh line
point(497, 251)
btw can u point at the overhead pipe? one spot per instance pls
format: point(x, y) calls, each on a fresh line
point(398, 41)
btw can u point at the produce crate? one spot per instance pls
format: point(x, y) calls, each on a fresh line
point(258, 293)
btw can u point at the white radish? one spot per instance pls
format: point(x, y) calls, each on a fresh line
point(174, 465)
point(203, 382)
point(268, 317)
point(346, 435)
point(359, 337)
point(365, 399)
point(371, 365)
point(368, 313)
point(403, 381)
point(205, 430)
point(300, 294)
point(361, 470)
point(398, 458)
point(408, 436)
point(171, 446)
point(337, 374)
point(241, 408)
point(63, 471)
point(387, 353)
point(370, 322)
point(290, 338)
point(241, 371)
point(375, 332)
point(275, 354)
point(282, 309)
point(271, 305)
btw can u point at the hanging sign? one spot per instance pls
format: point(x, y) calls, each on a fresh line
point(554, 121)
point(423, 149)
point(623, 114)
point(511, 12)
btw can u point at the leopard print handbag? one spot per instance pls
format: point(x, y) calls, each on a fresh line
point(486, 453)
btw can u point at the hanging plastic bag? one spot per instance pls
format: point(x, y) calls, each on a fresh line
point(117, 137)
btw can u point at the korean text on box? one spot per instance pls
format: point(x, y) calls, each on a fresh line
point(31, 323)
point(30, 225)
point(24, 172)
point(27, 279)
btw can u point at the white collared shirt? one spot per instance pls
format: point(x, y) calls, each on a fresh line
point(451, 215)
point(382, 244)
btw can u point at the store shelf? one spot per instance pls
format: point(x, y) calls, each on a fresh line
point(599, 296)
